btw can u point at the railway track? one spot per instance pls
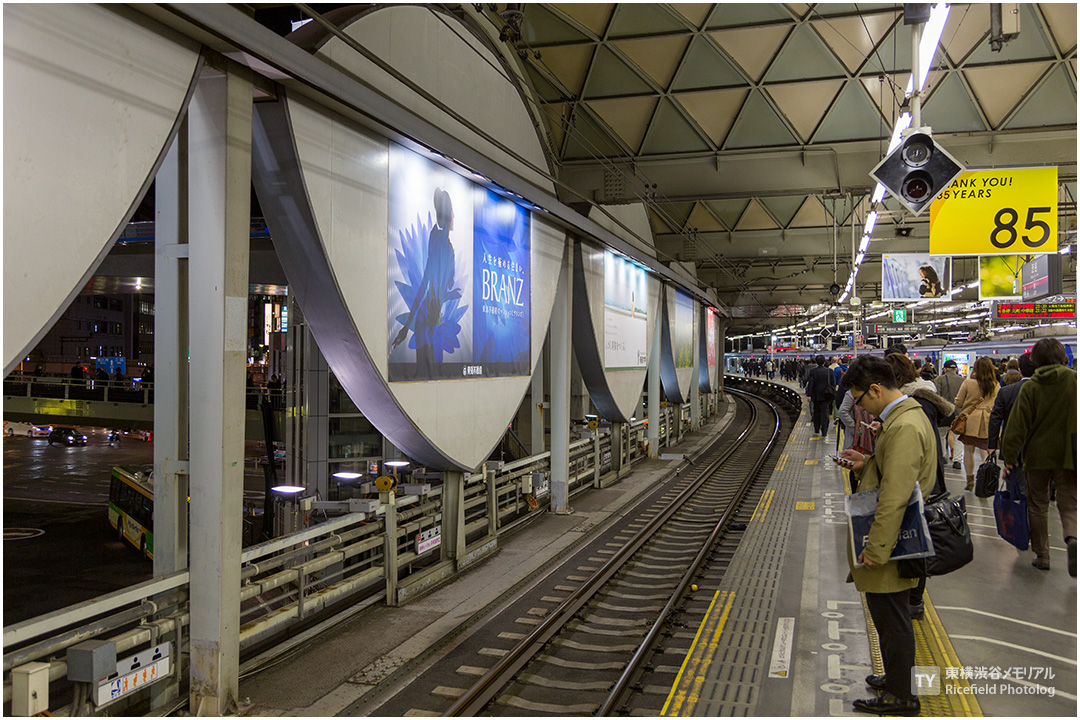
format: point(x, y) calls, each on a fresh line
point(600, 635)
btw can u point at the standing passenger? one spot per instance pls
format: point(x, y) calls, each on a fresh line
point(820, 390)
point(948, 384)
point(1042, 428)
point(999, 416)
point(976, 399)
point(904, 454)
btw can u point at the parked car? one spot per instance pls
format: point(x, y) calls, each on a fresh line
point(18, 428)
point(41, 431)
point(66, 436)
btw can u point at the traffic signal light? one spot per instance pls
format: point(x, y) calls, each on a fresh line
point(917, 171)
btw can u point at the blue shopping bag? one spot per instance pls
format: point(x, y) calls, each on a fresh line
point(912, 542)
point(1010, 511)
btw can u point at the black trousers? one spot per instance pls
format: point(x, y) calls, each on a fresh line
point(822, 409)
point(892, 618)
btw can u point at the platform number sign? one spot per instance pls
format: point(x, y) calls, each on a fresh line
point(997, 212)
point(899, 316)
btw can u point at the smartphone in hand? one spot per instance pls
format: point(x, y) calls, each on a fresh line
point(841, 461)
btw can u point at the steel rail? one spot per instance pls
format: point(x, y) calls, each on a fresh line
point(621, 685)
point(488, 685)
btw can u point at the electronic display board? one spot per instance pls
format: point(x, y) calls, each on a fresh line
point(1035, 311)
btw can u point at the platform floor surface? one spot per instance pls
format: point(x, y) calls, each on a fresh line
point(787, 636)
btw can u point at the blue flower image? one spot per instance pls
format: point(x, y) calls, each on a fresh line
point(430, 290)
point(501, 281)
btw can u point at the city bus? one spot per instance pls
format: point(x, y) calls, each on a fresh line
point(131, 507)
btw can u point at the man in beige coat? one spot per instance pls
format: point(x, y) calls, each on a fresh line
point(905, 452)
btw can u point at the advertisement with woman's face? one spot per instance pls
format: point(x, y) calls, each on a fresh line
point(914, 276)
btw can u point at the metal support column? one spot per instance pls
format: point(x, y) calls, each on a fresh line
point(219, 213)
point(721, 343)
point(307, 420)
point(654, 388)
point(170, 383)
point(538, 406)
point(560, 389)
point(618, 446)
point(390, 564)
point(492, 502)
point(453, 516)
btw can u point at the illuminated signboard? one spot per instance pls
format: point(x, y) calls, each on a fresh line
point(1035, 311)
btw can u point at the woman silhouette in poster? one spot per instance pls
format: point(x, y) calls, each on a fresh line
point(929, 285)
point(425, 314)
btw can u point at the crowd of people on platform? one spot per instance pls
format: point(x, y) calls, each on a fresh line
point(896, 418)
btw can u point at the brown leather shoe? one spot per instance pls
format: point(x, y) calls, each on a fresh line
point(1040, 564)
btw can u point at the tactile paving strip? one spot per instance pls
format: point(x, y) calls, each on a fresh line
point(730, 683)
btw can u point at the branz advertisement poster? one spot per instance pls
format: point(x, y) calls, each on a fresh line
point(460, 276)
point(626, 341)
point(683, 345)
point(710, 337)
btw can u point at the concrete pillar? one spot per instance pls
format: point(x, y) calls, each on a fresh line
point(560, 388)
point(219, 123)
point(618, 446)
point(654, 387)
point(453, 517)
point(695, 398)
point(721, 340)
point(538, 445)
point(307, 416)
point(170, 382)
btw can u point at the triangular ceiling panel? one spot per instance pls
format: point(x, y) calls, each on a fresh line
point(658, 225)
point(964, 29)
point(588, 140)
point(784, 208)
point(1061, 18)
point(594, 16)
point(557, 115)
point(695, 13)
point(611, 77)
point(705, 67)
point(886, 92)
point(569, 63)
point(714, 110)
point(672, 133)
point(738, 14)
point(853, 117)
point(798, 9)
point(543, 86)
point(752, 48)
point(1030, 44)
point(675, 215)
point(642, 19)
point(756, 218)
point(729, 211)
point(853, 38)
point(830, 9)
point(804, 104)
point(838, 208)
point(703, 221)
point(811, 214)
point(950, 108)
point(804, 57)
point(894, 52)
point(758, 125)
point(999, 88)
point(628, 117)
point(1054, 103)
point(659, 57)
point(542, 27)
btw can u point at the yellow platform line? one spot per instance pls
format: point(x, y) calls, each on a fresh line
point(932, 648)
point(687, 686)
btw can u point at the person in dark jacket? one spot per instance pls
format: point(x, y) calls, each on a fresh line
point(821, 390)
point(999, 416)
point(1042, 426)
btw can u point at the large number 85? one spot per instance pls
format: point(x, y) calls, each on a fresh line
point(1009, 226)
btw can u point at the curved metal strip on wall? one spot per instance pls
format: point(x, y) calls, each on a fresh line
point(678, 343)
point(612, 341)
point(94, 96)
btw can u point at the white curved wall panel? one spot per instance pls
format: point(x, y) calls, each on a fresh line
point(91, 100)
point(330, 224)
point(679, 344)
point(620, 218)
point(606, 314)
point(453, 67)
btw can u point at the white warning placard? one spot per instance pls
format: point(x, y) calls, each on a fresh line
point(780, 664)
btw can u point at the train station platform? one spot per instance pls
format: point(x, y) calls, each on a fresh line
point(787, 636)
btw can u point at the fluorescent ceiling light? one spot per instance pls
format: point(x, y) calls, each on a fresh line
point(859, 258)
point(871, 220)
point(864, 244)
point(929, 42)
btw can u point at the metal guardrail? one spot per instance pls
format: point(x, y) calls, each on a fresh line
point(117, 391)
point(288, 580)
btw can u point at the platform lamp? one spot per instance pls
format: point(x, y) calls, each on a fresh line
point(287, 519)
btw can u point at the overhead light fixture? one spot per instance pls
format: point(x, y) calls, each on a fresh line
point(864, 244)
point(288, 489)
point(347, 475)
point(396, 463)
point(931, 35)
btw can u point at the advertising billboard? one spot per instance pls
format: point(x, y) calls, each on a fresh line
point(460, 276)
point(710, 337)
point(683, 345)
point(626, 339)
point(1000, 276)
point(914, 276)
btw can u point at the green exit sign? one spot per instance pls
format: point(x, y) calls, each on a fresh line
point(899, 316)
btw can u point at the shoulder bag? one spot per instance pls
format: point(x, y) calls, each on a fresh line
point(946, 517)
point(959, 425)
point(988, 477)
